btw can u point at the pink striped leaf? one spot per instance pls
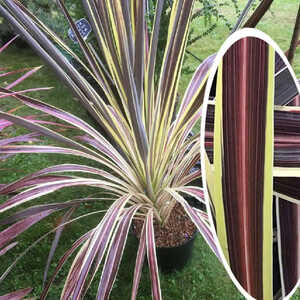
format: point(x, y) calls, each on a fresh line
point(195, 83)
point(174, 51)
point(101, 142)
point(139, 263)
point(115, 253)
point(120, 169)
point(203, 215)
point(153, 48)
point(40, 208)
point(8, 270)
point(48, 123)
point(7, 189)
point(30, 179)
point(8, 43)
point(31, 137)
point(98, 245)
point(17, 295)
point(101, 147)
point(185, 165)
point(58, 113)
point(55, 242)
point(152, 259)
point(4, 123)
point(44, 149)
point(11, 94)
point(12, 72)
point(8, 247)
point(14, 230)
point(190, 177)
point(62, 261)
point(83, 45)
point(43, 130)
point(51, 187)
point(74, 272)
point(193, 191)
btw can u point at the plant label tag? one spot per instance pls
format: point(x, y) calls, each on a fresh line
point(84, 29)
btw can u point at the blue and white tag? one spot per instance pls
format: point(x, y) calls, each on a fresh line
point(84, 29)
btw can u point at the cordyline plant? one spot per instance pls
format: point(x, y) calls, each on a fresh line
point(144, 160)
point(249, 174)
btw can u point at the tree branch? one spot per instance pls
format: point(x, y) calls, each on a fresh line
point(258, 13)
point(295, 38)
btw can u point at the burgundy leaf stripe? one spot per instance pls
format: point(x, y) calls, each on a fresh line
point(152, 259)
point(244, 122)
point(139, 262)
point(115, 253)
point(100, 237)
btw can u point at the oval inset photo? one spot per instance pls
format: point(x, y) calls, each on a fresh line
point(251, 163)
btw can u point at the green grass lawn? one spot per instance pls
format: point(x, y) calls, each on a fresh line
point(204, 277)
point(278, 23)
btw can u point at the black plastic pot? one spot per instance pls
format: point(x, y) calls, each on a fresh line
point(172, 259)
